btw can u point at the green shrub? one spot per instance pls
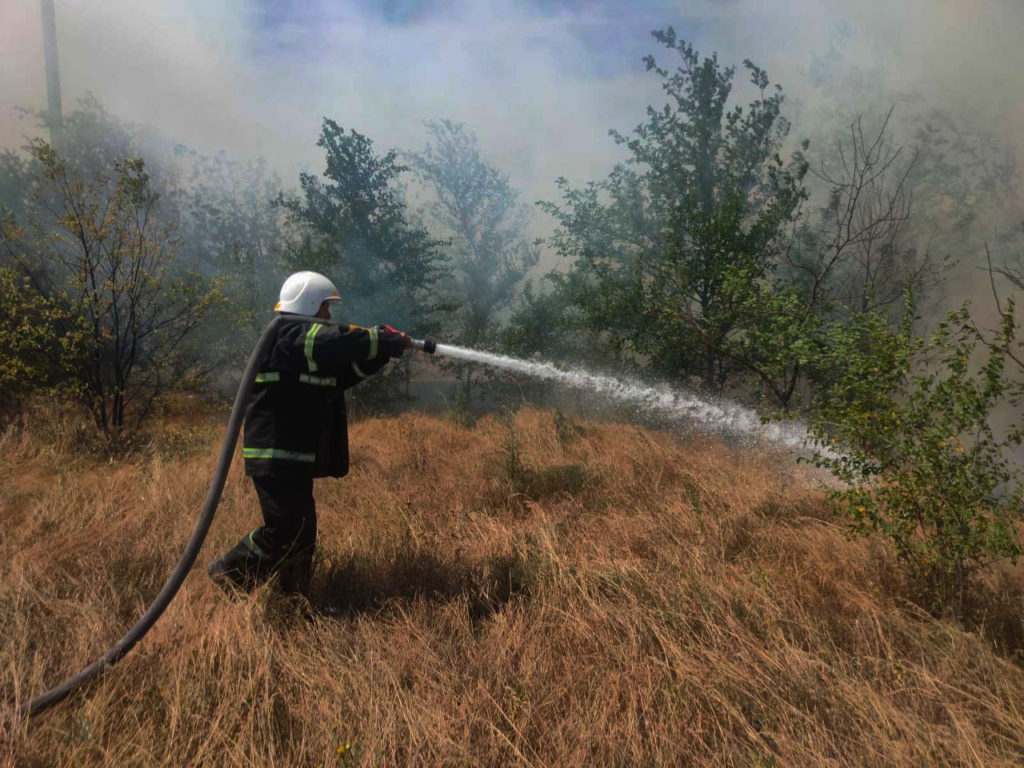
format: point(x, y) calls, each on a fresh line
point(109, 307)
point(909, 425)
point(28, 340)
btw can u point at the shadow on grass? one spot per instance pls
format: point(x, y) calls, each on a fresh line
point(357, 584)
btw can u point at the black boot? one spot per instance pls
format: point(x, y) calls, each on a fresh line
point(244, 567)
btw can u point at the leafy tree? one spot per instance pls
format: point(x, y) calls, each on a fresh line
point(479, 213)
point(781, 344)
point(670, 246)
point(538, 325)
point(94, 245)
point(355, 227)
point(910, 430)
point(857, 257)
point(845, 261)
point(545, 325)
point(607, 235)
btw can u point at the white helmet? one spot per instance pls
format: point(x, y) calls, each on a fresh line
point(304, 292)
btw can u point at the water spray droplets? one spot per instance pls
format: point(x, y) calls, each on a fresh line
point(718, 415)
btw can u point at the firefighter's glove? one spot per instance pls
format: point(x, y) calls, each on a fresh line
point(392, 342)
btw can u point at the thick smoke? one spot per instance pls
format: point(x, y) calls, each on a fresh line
point(540, 82)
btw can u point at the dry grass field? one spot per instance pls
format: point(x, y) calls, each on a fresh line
point(529, 590)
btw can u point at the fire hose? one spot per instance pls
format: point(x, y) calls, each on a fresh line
point(227, 450)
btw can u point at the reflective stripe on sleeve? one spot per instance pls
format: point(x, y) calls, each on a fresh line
point(263, 378)
point(320, 381)
point(278, 453)
point(373, 343)
point(310, 336)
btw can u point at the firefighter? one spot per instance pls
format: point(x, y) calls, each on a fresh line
point(296, 429)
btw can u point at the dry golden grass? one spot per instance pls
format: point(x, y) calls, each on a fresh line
point(528, 591)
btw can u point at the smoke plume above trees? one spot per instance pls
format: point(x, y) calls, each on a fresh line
point(540, 83)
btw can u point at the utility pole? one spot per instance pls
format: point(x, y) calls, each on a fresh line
point(54, 116)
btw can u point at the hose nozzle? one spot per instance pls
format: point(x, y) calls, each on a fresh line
point(426, 345)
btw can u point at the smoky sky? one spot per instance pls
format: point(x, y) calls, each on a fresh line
point(540, 81)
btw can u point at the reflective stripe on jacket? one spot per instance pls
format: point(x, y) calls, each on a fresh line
point(295, 422)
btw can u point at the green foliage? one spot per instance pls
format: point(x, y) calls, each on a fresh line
point(910, 427)
point(93, 141)
point(478, 212)
point(94, 247)
point(29, 345)
point(541, 322)
point(355, 228)
point(780, 341)
point(545, 325)
point(667, 250)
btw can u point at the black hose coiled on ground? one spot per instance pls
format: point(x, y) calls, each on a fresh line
point(227, 450)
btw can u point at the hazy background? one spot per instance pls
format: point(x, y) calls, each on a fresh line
point(540, 81)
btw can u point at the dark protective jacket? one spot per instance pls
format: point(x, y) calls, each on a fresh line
point(295, 423)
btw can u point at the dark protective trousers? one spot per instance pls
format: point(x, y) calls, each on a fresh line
point(285, 542)
point(289, 515)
